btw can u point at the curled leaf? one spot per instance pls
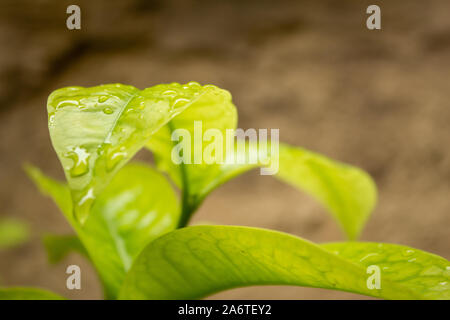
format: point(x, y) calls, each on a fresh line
point(347, 192)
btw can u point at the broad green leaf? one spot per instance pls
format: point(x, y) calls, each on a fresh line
point(195, 262)
point(96, 130)
point(59, 246)
point(346, 191)
point(19, 293)
point(13, 232)
point(137, 206)
point(196, 176)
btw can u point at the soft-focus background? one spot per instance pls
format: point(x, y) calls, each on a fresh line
point(375, 99)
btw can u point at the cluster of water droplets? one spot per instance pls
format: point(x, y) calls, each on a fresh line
point(131, 111)
point(175, 96)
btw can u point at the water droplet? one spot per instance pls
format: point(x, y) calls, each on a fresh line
point(67, 103)
point(170, 93)
point(407, 253)
point(80, 159)
point(88, 196)
point(108, 110)
point(114, 157)
point(102, 99)
point(194, 84)
point(178, 103)
point(83, 206)
point(51, 120)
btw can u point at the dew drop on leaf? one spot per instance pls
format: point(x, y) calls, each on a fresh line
point(108, 110)
point(194, 84)
point(102, 99)
point(180, 102)
point(169, 93)
point(407, 253)
point(84, 205)
point(114, 157)
point(80, 159)
point(67, 103)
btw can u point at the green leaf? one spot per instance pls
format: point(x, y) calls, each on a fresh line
point(137, 206)
point(424, 272)
point(19, 293)
point(195, 262)
point(13, 232)
point(347, 192)
point(96, 130)
point(197, 178)
point(59, 246)
point(58, 191)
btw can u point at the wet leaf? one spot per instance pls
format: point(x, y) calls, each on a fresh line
point(207, 119)
point(96, 130)
point(195, 262)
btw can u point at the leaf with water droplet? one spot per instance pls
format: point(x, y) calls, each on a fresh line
point(96, 130)
point(195, 262)
point(420, 272)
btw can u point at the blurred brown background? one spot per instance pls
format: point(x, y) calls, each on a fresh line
point(376, 99)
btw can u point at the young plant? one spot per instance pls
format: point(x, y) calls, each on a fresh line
point(130, 224)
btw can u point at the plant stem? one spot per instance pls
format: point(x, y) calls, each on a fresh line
point(188, 207)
